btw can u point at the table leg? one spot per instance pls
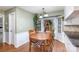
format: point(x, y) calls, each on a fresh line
point(44, 46)
point(30, 46)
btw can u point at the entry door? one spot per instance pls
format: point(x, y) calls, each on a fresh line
point(12, 28)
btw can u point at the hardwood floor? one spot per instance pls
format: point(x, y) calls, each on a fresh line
point(58, 47)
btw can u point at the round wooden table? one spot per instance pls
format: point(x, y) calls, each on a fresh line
point(40, 36)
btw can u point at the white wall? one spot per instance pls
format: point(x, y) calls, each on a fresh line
point(21, 38)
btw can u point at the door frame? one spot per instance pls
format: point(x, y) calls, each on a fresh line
point(14, 29)
point(3, 20)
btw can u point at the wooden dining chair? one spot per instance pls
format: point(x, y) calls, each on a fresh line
point(31, 32)
point(51, 41)
point(33, 42)
point(48, 45)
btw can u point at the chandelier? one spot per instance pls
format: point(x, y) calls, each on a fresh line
point(44, 14)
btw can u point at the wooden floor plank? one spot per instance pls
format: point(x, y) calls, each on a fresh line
point(58, 47)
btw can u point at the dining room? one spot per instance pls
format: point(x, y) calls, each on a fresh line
point(38, 29)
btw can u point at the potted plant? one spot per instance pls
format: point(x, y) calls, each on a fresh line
point(35, 18)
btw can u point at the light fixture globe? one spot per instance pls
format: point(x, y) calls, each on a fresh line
point(44, 14)
point(40, 16)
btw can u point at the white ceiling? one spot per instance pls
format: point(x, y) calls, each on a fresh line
point(4, 8)
point(36, 9)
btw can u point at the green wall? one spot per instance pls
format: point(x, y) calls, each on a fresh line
point(24, 20)
point(7, 19)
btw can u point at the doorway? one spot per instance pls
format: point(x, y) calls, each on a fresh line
point(12, 28)
point(1, 30)
point(47, 25)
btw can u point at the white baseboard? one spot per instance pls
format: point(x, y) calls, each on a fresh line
point(6, 37)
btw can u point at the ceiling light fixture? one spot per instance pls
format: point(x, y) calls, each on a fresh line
point(44, 14)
